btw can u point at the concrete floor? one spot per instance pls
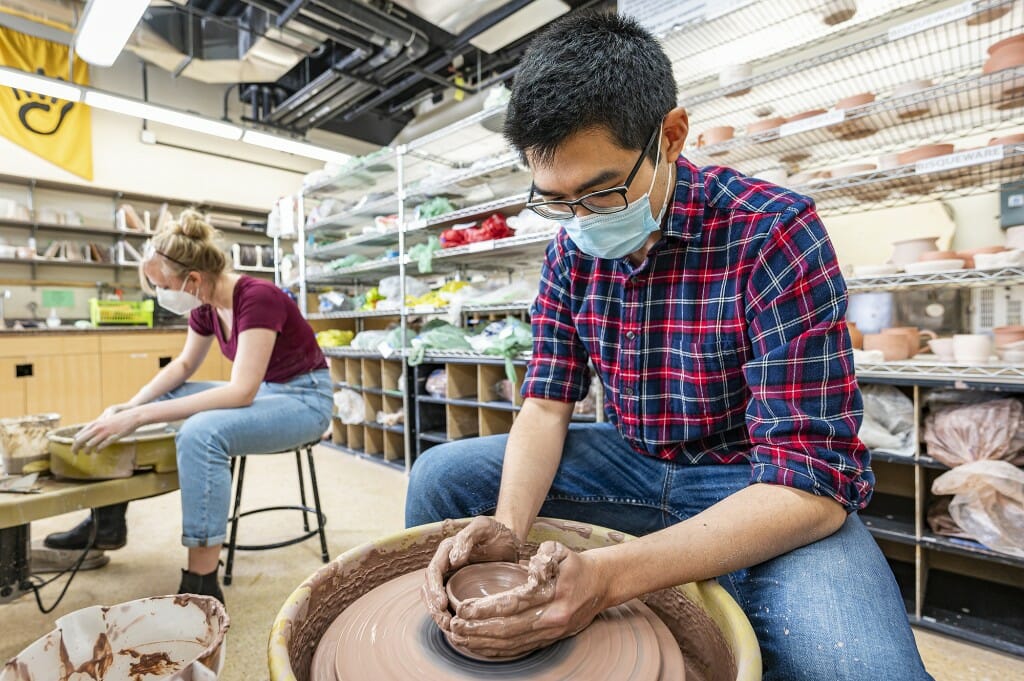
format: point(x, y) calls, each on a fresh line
point(362, 500)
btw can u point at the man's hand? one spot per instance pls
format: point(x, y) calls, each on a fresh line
point(564, 593)
point(484, 540)
point(105, 430)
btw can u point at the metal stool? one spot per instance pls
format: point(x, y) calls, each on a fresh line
point(321, 519)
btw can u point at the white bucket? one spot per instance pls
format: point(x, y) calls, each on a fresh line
point(179, 638)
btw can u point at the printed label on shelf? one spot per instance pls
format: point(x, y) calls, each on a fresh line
point(720, 8)
point(423, 309)
point(481, 246)
point(950, 14)
point(825, 119)
point(971, 157)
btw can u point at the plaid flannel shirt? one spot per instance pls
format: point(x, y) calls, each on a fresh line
point(727, 344)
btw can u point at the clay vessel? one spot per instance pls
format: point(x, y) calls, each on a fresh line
point(943, 348)
point(909, 88)
point(477, 580)
point(893, 346)
point(733, 74)
point(851, 169)
point(909, 250)
point(805, 114)
point(912, 336)
point(715, 135)
point(889, 161)
point(1007, 139)
point(835, 12)
point(1006, 53)
point(856, 337)
point(1004, 335)
point(972, 348)
point(855, 100)
point(937, 255)
point(968, 255)
point(988, 15)
point(766, 124)
point(923, 152)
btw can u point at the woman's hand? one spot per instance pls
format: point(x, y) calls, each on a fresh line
point(114, 409)
point(108, 428)
point(565, 591)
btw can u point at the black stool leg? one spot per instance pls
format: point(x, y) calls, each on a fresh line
point(316, 504)
point(234, 518)
point(302, 488)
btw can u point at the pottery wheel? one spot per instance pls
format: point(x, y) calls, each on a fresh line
point(388, 635)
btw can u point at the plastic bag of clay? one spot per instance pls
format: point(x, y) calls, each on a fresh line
point(941, 521)
point(350, 407)
point(888, 420)
point(437, 335)
point(988, 503)
point(941, 398)
point(369, 340)
point(390, 288)
point(974, 432)
point(503, 391)
point(437, 383)
point(390, 419)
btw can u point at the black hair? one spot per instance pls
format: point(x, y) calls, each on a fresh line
point(589, 70)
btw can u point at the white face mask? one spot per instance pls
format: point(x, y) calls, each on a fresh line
point(179, 302)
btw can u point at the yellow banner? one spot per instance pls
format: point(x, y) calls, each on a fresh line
point(54, 129)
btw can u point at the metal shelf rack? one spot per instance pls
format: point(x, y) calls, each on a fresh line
point(1006, 276)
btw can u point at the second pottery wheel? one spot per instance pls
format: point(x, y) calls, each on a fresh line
point(387, 635)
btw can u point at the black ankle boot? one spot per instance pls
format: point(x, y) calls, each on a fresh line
point(202, 585)
point(111, 532)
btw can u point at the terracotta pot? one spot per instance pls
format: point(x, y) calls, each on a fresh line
point(1004, 335)
point(909, 88)
point(968, 255)
point(733, 74)
point(806, 114)
point(715, 135)
point(855, 100)
point(889, 161)
point(937, 255)
point(923, 152)
point(1005, 54)
point(835, 12)
point(766, 124)
point(851, 169)
point(943, 348)
point(893, 347)
point(988, 15)
point(856, 337)
point(1007, 139)
point(910, 250)
point(912, 335)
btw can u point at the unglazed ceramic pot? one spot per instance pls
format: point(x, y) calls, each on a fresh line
point(892, 346)
point(856, 337)
point(765, 124)
point(715, 135)
point(1005, 54)
point(943, 348)
point(972, 348)
point(912, 335)
point(733, 74)
point(910, 250)
point(855, 100)
point(924, 152)
point(1004, 335)
point(313, 606)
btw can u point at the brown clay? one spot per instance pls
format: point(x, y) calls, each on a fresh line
point(388, 635)
point(477, 580)
point(766, 124)
point(923, 152)
point(855, 100)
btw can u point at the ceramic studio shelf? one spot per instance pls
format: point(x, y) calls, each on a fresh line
point(353, 314)
point(995, 376)
point(905, 460)
point(902, 531)
point(1006, 276)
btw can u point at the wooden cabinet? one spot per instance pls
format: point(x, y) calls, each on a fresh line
point(12, 386)
point(130, 361)
point(66, 384)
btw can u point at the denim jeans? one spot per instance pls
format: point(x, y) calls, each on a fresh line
point(283, 416)
point(830, 610)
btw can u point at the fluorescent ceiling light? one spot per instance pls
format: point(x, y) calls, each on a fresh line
point(105, 28)
point(41, 85)
point(261, 139)
point(160, 114)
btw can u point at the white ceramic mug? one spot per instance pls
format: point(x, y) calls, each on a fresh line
point(972, 348)
point(943, 349)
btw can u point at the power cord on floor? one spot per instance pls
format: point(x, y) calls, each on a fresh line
point(37, 586)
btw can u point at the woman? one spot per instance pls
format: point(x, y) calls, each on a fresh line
point(279, 394)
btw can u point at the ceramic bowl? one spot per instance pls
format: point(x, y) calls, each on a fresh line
point(910, 87)
point(970, 254)
point(852, 169)
point(875, 270)
point(855, 100)
point(477, 580)
point(909, 250)
point(972, 348)
point(1011, 356)
point(811, 113)
point(924, 152)
point(988, 15)
point(765, 124)
point(889, 161)
point(1006, 335)
point(1007, 139)
point(835, 12)
point(989, 261)
point(937, 255)
point(733, 74)
point(951, 265)
point(943, 348)
point(715, 135)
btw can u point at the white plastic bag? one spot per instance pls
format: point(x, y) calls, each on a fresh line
point(989, 503)
point(888, 420)
point(974, 432)
point(390, 288)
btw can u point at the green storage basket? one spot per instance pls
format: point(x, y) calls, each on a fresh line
point(125, 312)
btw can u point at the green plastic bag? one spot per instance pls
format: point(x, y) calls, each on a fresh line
point(423, 254)
point(437, 335)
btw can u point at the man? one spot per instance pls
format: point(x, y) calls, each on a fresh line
point(712, 307)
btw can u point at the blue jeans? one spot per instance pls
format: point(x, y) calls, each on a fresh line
point(830, 610)
point(283, 416)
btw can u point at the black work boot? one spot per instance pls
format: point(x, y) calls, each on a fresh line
point(111, 533)
point(201, 585)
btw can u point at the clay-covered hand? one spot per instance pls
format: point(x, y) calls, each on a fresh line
point(484, 540)
point(105, 430)
point(563, 594)
point(114, 409)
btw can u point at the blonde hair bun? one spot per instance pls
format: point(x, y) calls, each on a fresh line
point(193, 225)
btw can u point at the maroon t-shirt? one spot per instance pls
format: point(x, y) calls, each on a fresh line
point(258, 304)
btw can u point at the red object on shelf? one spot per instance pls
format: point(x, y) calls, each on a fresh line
point(494, 227)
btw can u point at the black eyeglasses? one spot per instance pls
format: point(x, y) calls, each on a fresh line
point(603, 201)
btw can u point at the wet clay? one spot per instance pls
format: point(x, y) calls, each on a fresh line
point(477, 580)
point(388, 635)
point(329, 592)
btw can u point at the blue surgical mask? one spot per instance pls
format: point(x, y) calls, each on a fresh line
point(616, 235)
